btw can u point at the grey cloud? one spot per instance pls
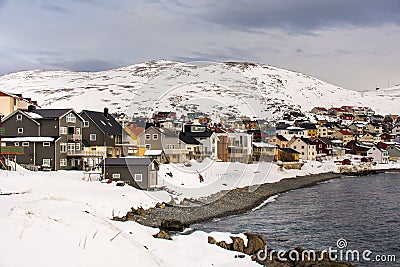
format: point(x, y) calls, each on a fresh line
point(85, 65)
point(294, 15)
point(56, 8)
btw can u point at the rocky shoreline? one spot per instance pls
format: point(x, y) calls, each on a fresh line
point(235, 201)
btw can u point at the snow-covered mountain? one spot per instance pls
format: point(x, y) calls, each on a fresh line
point(219, 89)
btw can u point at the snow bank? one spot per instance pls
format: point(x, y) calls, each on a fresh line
point(57, 219)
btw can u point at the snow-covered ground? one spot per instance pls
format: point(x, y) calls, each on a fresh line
point(220, 176)
point(57, 219)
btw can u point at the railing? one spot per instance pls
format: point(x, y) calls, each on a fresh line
point(74, 137)
point(82, 153)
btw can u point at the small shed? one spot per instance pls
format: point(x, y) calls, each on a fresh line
point(138, 172)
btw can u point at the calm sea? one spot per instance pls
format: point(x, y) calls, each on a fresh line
point(364, 211)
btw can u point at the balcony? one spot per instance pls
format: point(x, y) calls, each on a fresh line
point(85, 154)
point(74, 137)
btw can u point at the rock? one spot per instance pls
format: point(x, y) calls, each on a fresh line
point(140, 211)
point(254, 244)
point(163, 234)
point(172, 225)
point(224, 245)
point(211, 240)
point(160, 205)
point(238, 244)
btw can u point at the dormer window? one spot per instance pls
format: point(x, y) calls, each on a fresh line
point(71, 118)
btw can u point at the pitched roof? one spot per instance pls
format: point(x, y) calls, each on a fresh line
point(344, 132)
point(281, 138)
point(134, 161)
point(51, 113)
point(167, 132)
point(289, 150)
point(136, 130)
point(108, 125)
point(189, 140)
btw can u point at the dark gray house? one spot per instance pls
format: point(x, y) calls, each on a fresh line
point(136, 171)
point(51, 137)
point(103, 136)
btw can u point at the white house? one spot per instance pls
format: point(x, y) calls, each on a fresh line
point(379, 155)
point(306, 148)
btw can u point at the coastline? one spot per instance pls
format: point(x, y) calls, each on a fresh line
point(236, 201)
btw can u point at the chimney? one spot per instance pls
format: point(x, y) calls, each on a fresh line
point(106, 112)
point(31, 108)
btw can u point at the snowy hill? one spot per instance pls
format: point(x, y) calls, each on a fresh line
point(220, 89)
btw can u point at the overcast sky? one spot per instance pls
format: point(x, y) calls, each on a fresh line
point(350, 43)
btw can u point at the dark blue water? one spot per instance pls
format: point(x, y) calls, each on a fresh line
point(365, 211)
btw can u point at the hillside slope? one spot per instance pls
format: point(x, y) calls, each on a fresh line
point(231, 88)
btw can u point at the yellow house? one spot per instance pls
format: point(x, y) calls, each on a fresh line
point(137, 134)
point(10, 103)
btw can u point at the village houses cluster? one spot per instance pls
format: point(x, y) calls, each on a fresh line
point(65, 139)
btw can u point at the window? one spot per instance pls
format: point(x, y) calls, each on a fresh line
point(63, 130)
point(116, 176)
point(302, 147)
point(78, 146)
point(85, 124)
point(63, 162)
point(71, 146)
point(78, 131)
point(46, 144)
point(170, 146)
point(138, 177)
point(19, 117)
point(148, 146)
point(155, 136)
point(46, 162)
point(16, 144)
point(63, 148)
point(20, 130)
point(294, 147)
point(25, 143)
point(71, 118)
point(93, 137)
point(147, 136)
point(320, 145)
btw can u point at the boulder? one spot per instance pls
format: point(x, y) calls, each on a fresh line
point(163, 234)
point(211, 240)
point(238, 244)
point(224, 245)
point(172, 225)
point(140, 211)
point(255, 243)
point(160, 205)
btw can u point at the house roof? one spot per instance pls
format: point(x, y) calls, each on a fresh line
point(199, 134)
point(325, 140)
point(108, 125)
point(344, 132)
point(27, 139)
point(188, 139)
point(154, 152)
point(51, 113)
point(281, 138)
point(167, 132)
point(136, 130)
point(128, 161)
point(307, 141)
point(289, 150)
point(263, 144)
